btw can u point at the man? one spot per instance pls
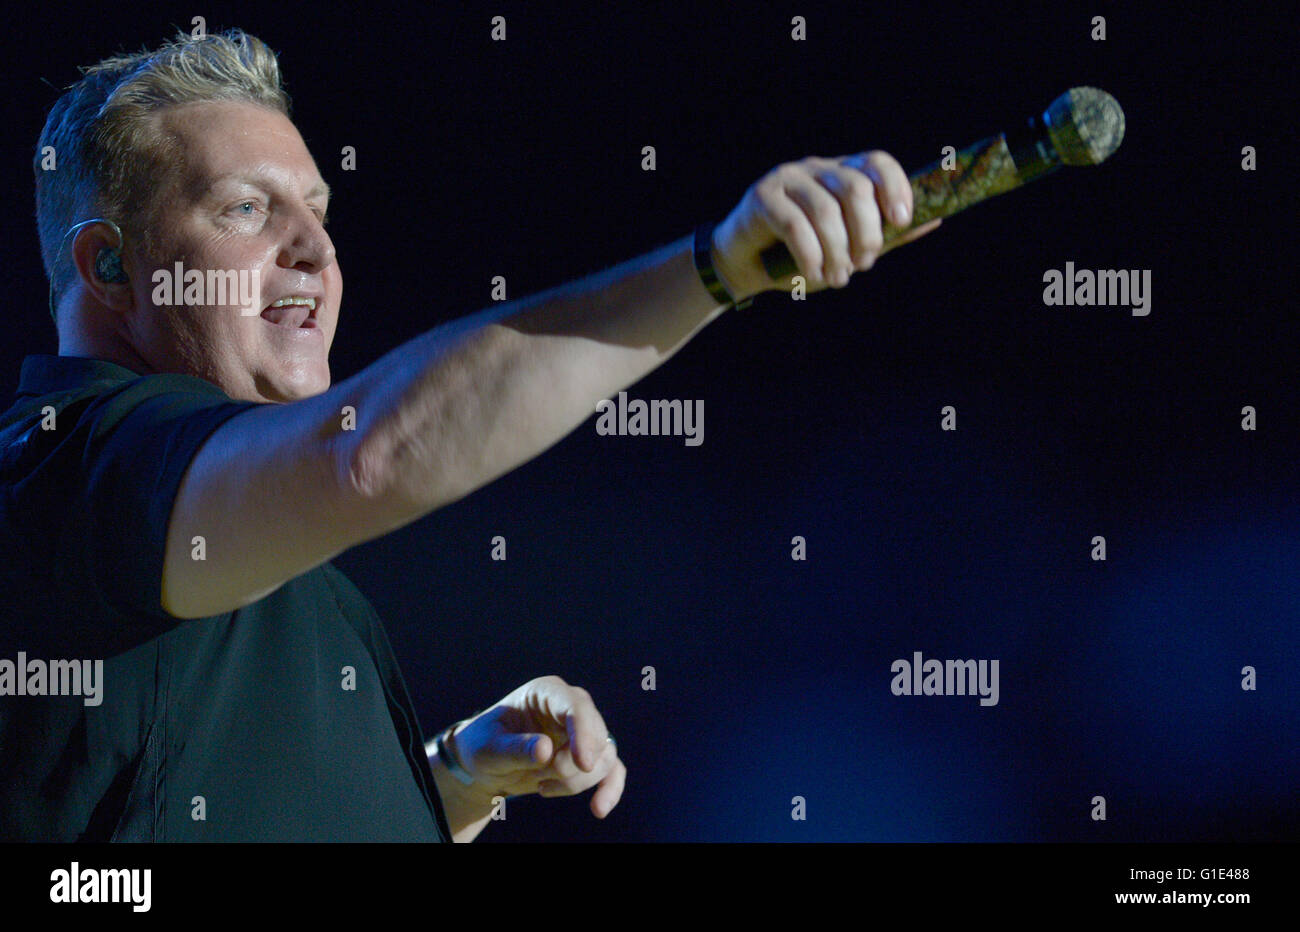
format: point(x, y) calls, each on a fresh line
point(176, 480)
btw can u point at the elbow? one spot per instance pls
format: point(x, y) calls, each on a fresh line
point(367, 469)
point(381, 479)
point(415, 458)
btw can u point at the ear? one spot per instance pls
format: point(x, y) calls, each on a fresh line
point(86, 247)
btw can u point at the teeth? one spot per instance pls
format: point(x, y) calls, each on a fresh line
point(295, 299)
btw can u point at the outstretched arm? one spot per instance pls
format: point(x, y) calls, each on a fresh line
point(281, 489)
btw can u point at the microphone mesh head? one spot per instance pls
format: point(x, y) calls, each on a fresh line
point(1086, 125)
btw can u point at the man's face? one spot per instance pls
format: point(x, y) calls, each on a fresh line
point(244, 197)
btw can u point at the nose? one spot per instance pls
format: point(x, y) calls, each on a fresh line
point(307, 247)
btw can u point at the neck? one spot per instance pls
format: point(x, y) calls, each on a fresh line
point(78, 344)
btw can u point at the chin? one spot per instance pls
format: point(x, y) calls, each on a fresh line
point(295, 386)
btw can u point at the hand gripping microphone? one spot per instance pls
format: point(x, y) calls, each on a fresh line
point(1081, 127)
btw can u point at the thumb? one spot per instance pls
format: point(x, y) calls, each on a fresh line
point(914, 233)
point(508, 752)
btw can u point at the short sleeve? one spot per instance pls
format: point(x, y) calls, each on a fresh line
point(95, 494)
point(140, 443)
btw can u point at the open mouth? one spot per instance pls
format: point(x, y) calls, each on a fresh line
point(292, 312)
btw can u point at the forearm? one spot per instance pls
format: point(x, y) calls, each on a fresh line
point(465, 403)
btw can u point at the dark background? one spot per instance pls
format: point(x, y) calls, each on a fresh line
point(522, 158)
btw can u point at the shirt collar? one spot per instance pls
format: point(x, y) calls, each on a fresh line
point(42, 374)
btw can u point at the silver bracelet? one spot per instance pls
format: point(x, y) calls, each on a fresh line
point(449, 758)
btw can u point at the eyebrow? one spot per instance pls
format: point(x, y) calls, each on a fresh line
point(257, 179)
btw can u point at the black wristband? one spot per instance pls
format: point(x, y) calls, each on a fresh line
point(704, 265)
point(449, 758)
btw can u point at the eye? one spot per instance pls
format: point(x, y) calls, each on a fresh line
point(246, 208)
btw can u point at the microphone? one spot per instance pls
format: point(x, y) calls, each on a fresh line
point(1081, 127)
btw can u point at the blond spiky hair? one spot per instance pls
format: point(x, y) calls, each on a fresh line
point(108, 151)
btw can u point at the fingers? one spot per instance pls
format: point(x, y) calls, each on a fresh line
point(893, 189)
point(806, 185)
point(567, 713)
point(861, 215)
point(546, 737)
point(788, 221)
point(831, 212)
point(565, 778)
point(610, 792)
point(573, 706)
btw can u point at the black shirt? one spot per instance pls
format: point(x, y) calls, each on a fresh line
point(245, 726)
